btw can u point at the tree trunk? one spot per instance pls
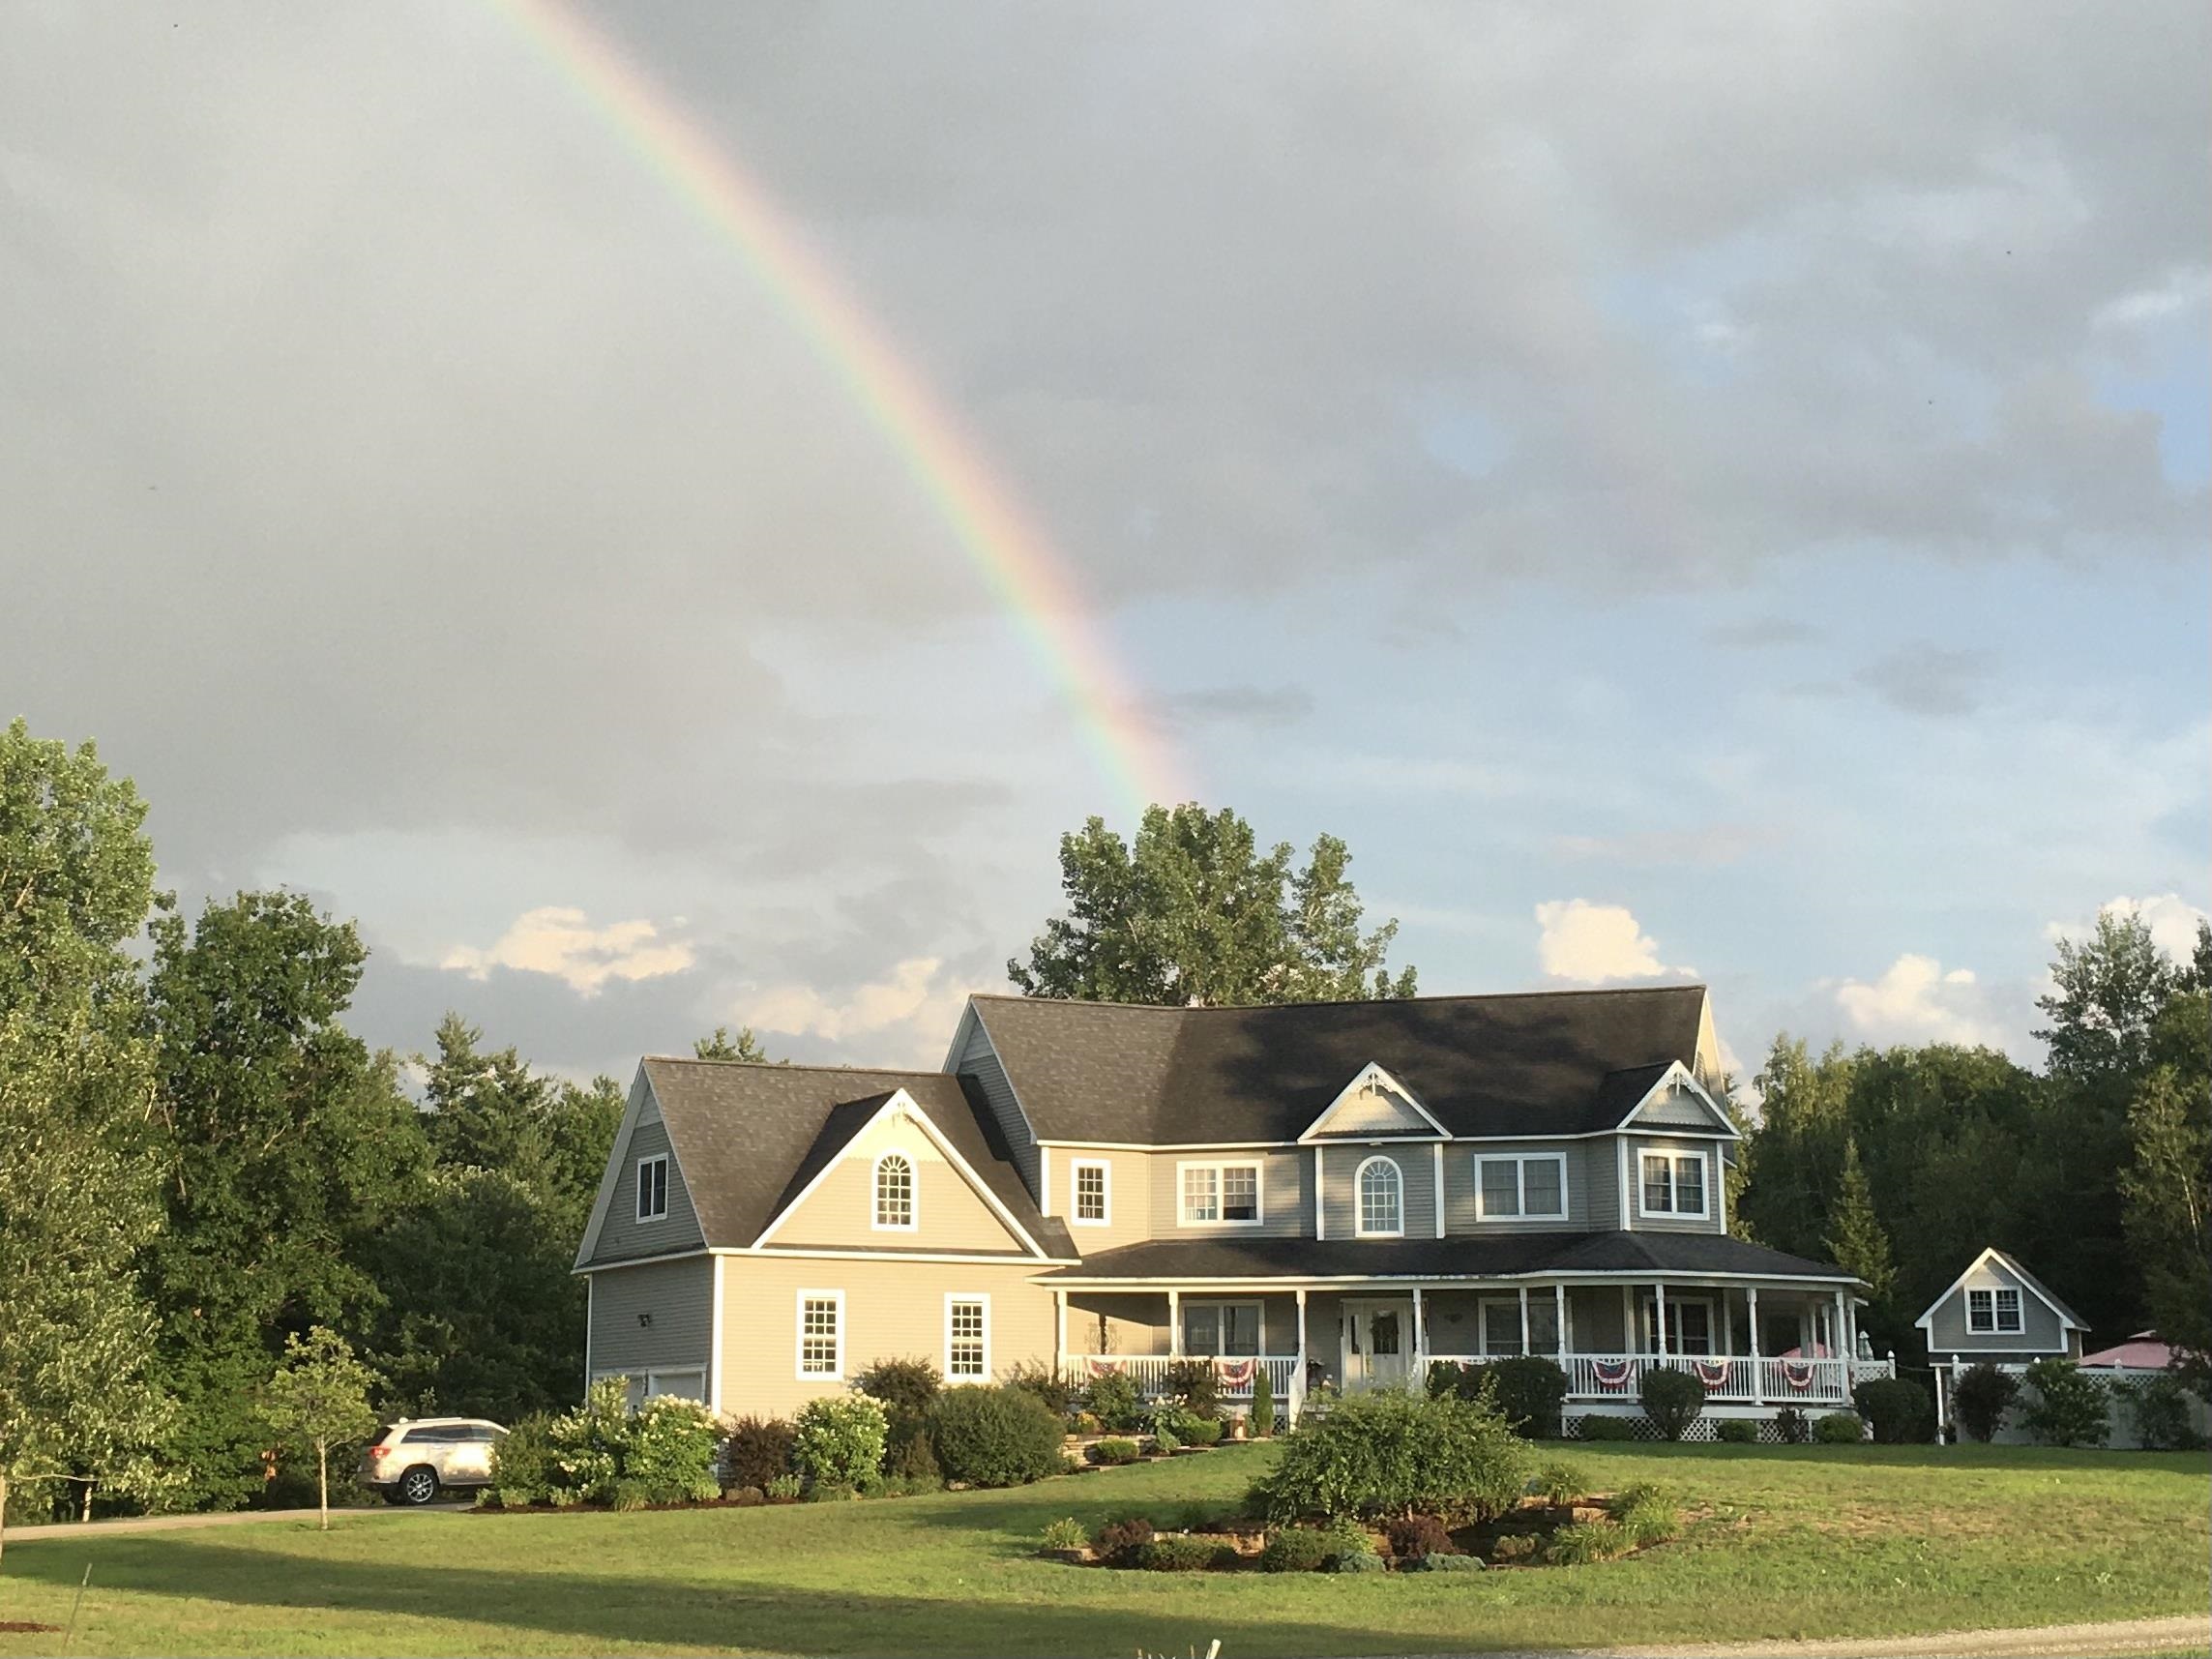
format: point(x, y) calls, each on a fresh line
point(86, 1513)
point(2, 1511)
point(322, 1478)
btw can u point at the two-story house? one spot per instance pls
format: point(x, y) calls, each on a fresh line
point(1337, 1192)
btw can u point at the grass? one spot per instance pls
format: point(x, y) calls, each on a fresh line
point(1794, 1542)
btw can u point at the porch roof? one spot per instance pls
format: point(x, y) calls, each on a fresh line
point(1505, 1256)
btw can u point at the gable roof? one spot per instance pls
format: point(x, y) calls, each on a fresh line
point(751, 1138)
point(1531, 1064)
point(1372, 1078)
point(2066, 1315)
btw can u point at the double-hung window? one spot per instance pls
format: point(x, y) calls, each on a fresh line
point(1673, 1184)
point(894, 1193)
point(1094, 1198)
point(821, 1336)
point(1530, 1188)
point(1993, 1310)
point(1221, 1195)
point(967, 1338)
point(1381, 1199)
point(653, 1187)
point(1226, 1329)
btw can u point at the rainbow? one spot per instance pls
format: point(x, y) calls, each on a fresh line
point(1027, 579)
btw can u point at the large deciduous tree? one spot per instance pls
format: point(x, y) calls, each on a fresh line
point(1194, 913)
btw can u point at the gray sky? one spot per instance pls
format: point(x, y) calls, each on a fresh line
point(1682, 488)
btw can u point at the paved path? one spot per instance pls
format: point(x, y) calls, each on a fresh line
point(61, 1531)
point(2190, 1633)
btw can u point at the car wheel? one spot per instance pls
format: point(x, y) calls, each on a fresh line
point(419, 1485)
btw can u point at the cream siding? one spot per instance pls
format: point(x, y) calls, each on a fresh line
point(658, 1316)
point(1285, 1207)
point(1638, 1144)
point(1128, 1195)
point(840, 1212)
point(1462, 1184)
point(622, 1236)
point(979, 1060)
point(891, 1309)
point(1417, 1168)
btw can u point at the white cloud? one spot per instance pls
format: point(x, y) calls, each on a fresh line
point(2172, 920)
point(1916, 1000)
point(1593, 943)
point(558, 940)
point(2186, 288)
point(908, 1018)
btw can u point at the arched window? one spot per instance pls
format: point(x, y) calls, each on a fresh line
point(1382, 1200)
point(894, 1191)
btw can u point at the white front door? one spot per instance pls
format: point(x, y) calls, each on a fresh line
point(1377, 1344)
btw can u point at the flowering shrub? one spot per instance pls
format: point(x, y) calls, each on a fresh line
point(839, 1441)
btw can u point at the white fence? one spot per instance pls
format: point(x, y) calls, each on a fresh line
point(1619, 1376)
point(1149, 1371)
point(2121, 1432)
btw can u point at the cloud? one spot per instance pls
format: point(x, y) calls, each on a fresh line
point(904, 1019)
point(1256, 707)
point(1764, 633)
point(559, 941)
point(1591, 944)
point(2185, 289)
point(1915, 1000)
point(1713, 845)
point(2172, 920)
point(1929, 679)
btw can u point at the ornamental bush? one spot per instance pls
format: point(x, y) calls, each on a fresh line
point(1413, 1537)
point(1586, 1542)
point(1900, 1411)
point(906, 1389)
point(1178, 1553)
point(1295, 1549)
point(1530, 1390)
point(2066, 1407)
point(758, 1450)
point(995, 1437)
point(1599, 1428)
point(1113, 1400)
point(2160, 1406)
point(1451, 1564)
point(1388, 1453)
point(1738, 1430)
point(1206, 1432)
point(1066, 1534)
point(1645, 1514)
point(838, 1442)
point(1981, 1397)
point(1120, 1540)
point(1262, 1402)
point(1560, 1483)
point(1793, 1425)
point(1035, 1376)
point(1112, 1451)
point(1196, 1384)
point(669, 1454)
point(1839, 1429)
point(1672, 1399)
point(523, 1463)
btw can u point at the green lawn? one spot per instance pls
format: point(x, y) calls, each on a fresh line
point(1801, 1541)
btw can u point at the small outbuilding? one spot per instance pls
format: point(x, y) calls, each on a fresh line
point(2000, 1313)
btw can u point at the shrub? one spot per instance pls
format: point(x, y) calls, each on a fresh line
point(830, 1492)
point(758, 1450)
point(1082, 1423)
point(1672, 1399)
point(2160, 1406)
point(784, 1489)
point(1979, 1397)
point(914, 1464)
point(1645, 1514)
point(995, 1437)
point(1177, 1553)
point(2067, 1407)
point(1444, 1378)
point(907, 1387)
point(1839, 1429)
point(1113, 1401)
point(670, 1451)
point(522, 1462)
point(838, 1442)
point(1560, 1483)
point(1367, 1564)
point(1262, 1402)
point(1196, 1384)
point(1119, 1540)
point(1392, 1454)
point(1514, 1547)
point(910, 1485)
point(629, 1494)
point(1738, 1430)
point(1900, 1411)
point(1585, 1542)
point(1206, 1432)
point(1792, 1426)
point(1066, 1534)
point(1109, 1452)
point(1164, 1437)
point(589, 1443)
point(1451, 1564)
point(1295, 1549)
point(1597, 1428)
point(747, 1496)
point(1413, 1537)
point(1529, 1390)
point(1035, 1376)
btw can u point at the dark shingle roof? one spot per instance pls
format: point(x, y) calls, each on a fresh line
point(1503, 1255)
point(1541, 1063)
point(749, 1138)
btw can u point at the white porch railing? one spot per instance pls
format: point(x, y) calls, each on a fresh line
point(1149, 1371)
point(1733, 1380)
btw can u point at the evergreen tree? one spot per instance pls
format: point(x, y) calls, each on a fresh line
point(1855, 1238)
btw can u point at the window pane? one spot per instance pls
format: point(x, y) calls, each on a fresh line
point(894, 1192)
point(1240, 1192)
point(1689, 1186)
point(1658, 1184)
point(1540, 1185)
point(1201, 1199)
point(1382, 1334)
point(964, 1344)
point(1501, 1187)
point(1090, 1192)
point(1690, 1328)
point(1201, 1329)
point(818, 1338)
point(1379, 1198)
point(1978, 1312)
point(1240, 1330)
point(1543, 1324)
point(1501, 1327)
point(2008, 1310)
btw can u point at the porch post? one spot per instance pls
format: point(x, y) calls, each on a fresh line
point(1175, 1324)
point(1420, 1341)
point(1628, 1319)
point(1837, 1335)
point(1526, 1347)
point(1321, 1197)
point(1559, 1301)
point(1060, 1328)
point(1758, 1372)
point(1659, 1300)
point(1941, 1414)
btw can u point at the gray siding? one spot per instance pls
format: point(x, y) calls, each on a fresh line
point(1461, 1183)
point(979, 1060)
point(676, 1296)
point(1677, 1106)
point(1286, 1201)
point(1601, 1184)
point(1415, 1162)
point(623, 1237)
point(2040, 1331)
point(1638, 1145)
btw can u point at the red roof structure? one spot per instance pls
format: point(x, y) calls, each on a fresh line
point(2142, 1352)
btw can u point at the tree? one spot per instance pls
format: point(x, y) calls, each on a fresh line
point(722, 1046)
point(1194, 914)
point(77, 1189)
point(319, 1396)
point(1855, 1238)
point(2168, 1187)
point(2109, 989)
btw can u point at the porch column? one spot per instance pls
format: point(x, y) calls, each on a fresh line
point(1559, 1301)
point(1758, 1372)
point(1837, 1343)
point(1321, 1197)
point(1060, 1328)
point(1941, 1416)
point(1527, 1346)
point(1298, 1377)
point(1659, 1303)
point(1420, 1341)
point(1175, 1324)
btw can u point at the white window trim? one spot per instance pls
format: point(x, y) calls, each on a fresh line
point(1520, 1161)
point(1360, 1227)
point(2020, 1312)
point(799, 1327)
point(1105, 1168)
point(1259, 1170)
point(913, 1221)
point(638, 1185)
point(1538, 1305)
point(1258, 1319)
point(1647, 1332)
point(980, 1297)
point(1675, 1187)
point(1995, 1327)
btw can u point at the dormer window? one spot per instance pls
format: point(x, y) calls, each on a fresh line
point(1382, 1200)
point(894, 1193)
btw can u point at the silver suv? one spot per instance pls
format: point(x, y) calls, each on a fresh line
point(413, 1459)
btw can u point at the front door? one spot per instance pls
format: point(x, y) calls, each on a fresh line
point(1377, 1343)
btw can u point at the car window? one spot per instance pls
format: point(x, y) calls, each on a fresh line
point(482, 1432)
point(443, 1437)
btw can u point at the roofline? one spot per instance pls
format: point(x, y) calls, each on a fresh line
point(1372, 1073)
point(1596, 1275)
point(2067, 1316)
point(1671, 1130)
point(1336, 1002)
point(788, 1066)
point(1689, 1078)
